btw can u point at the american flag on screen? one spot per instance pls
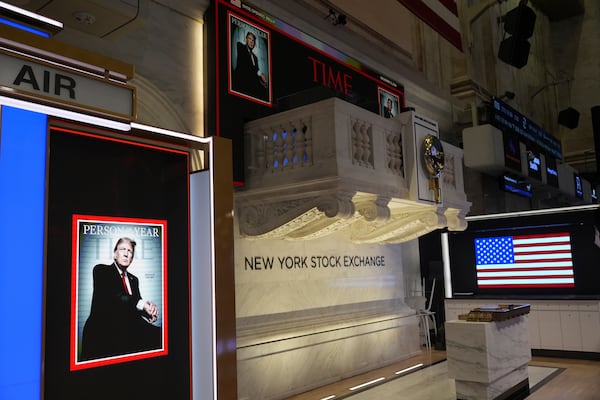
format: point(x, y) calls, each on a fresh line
point(525, 261)
point(441, 15)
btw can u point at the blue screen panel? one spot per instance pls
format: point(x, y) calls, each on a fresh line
point(22, 197)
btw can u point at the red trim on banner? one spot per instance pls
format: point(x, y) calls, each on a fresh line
point(436, 22)
point(217, 77)
point(450, 5)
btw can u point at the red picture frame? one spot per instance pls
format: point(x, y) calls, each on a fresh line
point(93, 243)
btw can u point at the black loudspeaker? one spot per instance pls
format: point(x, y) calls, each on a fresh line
point(514, 51)
point(520, 22)
point(569, 117)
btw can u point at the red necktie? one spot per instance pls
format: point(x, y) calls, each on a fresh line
point(124, 283)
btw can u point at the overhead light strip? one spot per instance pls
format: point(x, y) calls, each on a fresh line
point(24, 27)
point(61, 113)
point(29, 14)
point(530, 212)
point(99, 121)
point(167, 132)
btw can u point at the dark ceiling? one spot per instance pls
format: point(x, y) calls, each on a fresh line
point(557, 10)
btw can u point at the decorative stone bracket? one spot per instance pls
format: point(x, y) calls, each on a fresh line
point(332, 166)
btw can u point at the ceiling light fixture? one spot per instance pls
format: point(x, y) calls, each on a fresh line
point(84, 18)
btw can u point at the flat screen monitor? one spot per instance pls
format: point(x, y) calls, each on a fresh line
point(540, 255)
point(516, 185)
point(578, 187)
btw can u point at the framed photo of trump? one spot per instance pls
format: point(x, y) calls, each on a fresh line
point(118, 293)
point(389, 103)
point(249, 61)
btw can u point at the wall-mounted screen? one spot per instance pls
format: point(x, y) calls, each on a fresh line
point(551, 171)
point(509, 120)
point(540, 255)
point(534, 165)
point(264, 65)
point(578, 184)
point(512, 151)
point(116, 290)
point(524, 261)
point(516, 185)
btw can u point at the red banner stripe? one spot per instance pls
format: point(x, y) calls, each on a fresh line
point(436, 22)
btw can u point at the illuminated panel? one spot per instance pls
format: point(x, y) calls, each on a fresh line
point(204, 357)
point(101, 188)
point(24, 27)
point(516, 185)
point(22, 190)
point(578, 186)
point(28, 20)
point(528, 261)
point(508, 119)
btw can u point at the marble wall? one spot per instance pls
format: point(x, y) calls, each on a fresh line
point(313, 312)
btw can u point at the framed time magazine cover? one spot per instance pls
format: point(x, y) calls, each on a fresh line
point(119, 292)
point(389, 103)
point(249, 60)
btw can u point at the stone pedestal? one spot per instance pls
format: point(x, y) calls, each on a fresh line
point(488, 360)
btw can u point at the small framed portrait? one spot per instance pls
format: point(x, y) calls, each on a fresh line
point(118, 293)
point(389, 103)
point(249, 61)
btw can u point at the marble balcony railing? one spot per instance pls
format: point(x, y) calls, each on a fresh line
point(331, 166)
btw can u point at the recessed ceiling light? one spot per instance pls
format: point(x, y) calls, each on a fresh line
point(84, 17)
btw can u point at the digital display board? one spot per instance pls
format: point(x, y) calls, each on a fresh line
point(23, 148)
point(508, 119)
point(538, 255)
point(534, 165)
point(578, 184)
point(551, 172)
point(533, 261)
point(265, 66)
point(516, 185)
point(512, 151)
point(117, 267)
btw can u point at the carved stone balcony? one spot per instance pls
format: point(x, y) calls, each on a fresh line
point(333, 166)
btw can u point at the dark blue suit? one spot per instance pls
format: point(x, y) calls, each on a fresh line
point(115, 326)
point(245, 75)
